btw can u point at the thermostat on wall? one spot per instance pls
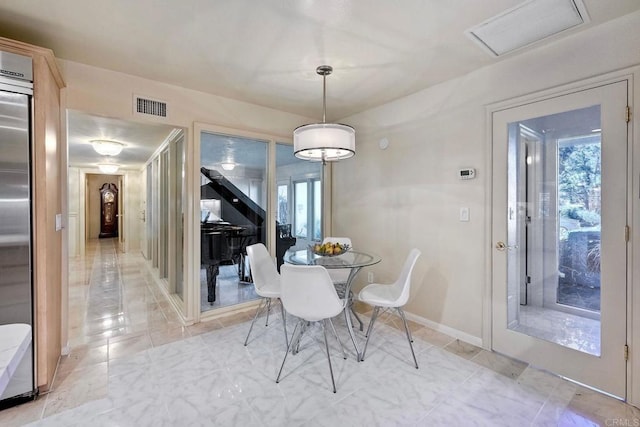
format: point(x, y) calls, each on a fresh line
point(468, 173)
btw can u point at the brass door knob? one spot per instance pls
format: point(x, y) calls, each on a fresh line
point(501, 246)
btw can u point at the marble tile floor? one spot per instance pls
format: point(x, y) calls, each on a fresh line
point(161, 374)
point(569, 330)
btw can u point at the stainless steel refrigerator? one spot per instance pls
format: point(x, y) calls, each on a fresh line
point(17, 379)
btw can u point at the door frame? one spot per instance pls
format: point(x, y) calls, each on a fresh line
point(83, 210)
point(633, 205)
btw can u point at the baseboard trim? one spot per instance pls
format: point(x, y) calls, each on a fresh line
point(462, 336)
point(173, 300)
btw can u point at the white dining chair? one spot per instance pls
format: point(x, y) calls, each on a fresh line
point(266, 280)
point(308, 294)
point(394, 295)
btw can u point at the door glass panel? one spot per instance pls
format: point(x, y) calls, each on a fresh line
point(301, 212)
point(553, 228)
point(163, 223)
point(176, 198)
point(293, 177)
point(283, 204)
point(233, 215)
point(579, 201)
point(148, 206)
point(317, 210)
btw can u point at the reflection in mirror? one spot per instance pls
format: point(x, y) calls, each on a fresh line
point(554, 195)
point(233, 203)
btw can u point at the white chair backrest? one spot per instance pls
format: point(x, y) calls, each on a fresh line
point(403, 284)
point(263, 269)
point(308, 292)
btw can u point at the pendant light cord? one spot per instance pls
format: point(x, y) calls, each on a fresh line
point(324, 98)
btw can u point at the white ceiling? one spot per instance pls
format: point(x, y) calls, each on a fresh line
point(266, 51)
point(140, 140)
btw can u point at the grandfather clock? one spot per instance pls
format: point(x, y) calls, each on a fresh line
point(108, 210)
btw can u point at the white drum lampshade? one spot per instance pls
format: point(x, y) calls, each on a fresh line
point(324, 142)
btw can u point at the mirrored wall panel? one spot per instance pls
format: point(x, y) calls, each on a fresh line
point(233, 215)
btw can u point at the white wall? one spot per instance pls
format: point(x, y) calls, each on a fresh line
point(409, 195)
point(75, 205)
point(134, 193)
point(144, 214)
point(109, 93)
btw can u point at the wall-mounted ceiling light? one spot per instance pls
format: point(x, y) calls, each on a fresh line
point(108, 167)
point(228, 166)
point(324, 142)
point(107, 148)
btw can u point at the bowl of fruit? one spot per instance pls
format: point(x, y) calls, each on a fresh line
point(329, 249)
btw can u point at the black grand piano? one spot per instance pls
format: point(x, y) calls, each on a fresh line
point(225, 242)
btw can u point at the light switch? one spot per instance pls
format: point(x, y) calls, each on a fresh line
point(58, 222)
point(464, 214)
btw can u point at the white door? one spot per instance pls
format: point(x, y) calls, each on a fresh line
point(559, 220)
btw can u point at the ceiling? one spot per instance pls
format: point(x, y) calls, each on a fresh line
point(140, 140)
point(266, 52)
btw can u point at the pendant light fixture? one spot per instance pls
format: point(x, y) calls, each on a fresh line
point(108, 168)
point(105, 147)
point(228, 165)
point(324, 142)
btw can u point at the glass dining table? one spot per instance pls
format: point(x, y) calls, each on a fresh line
point(352, 260)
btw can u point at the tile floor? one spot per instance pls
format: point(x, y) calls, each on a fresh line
point(569, 330)
point(133, 364)
point(229, 290)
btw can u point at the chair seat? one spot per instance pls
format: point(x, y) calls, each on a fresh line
point(309, 294)
point(266, 280)
point(313, 316)
point(394, 295)
point(379, 295)
point(269, 290)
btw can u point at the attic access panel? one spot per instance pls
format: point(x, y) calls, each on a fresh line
point(528, 23)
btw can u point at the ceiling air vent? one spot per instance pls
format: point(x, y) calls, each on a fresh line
point(528, 23)
point(150, 107)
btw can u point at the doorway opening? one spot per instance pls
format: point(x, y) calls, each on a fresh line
point(111, 224)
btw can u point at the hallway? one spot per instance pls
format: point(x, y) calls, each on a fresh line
point(111, 299)
point(133, 364)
